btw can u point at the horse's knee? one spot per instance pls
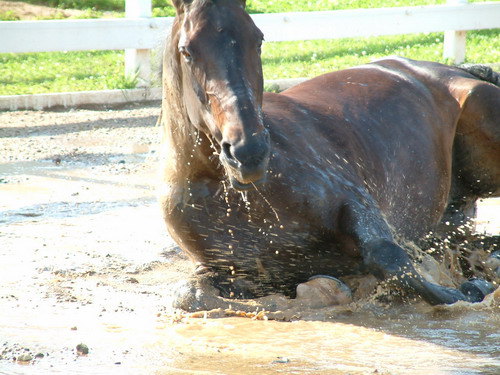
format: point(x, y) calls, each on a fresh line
point(459, 214)
point(385, 259)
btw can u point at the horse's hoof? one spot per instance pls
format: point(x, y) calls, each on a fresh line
point(195, 295)
point(321, 291)
point(201, 270)
point(476, 289)
point(493, 263)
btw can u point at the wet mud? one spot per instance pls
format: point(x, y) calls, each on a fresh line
point(88, 275)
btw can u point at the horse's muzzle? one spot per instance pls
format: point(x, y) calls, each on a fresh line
point(246, 162)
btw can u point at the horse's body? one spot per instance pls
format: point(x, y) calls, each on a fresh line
point(329, 169)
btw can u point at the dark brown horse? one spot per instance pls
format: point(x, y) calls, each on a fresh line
point(266, 190)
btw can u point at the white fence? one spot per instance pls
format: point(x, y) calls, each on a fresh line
point(138, 32)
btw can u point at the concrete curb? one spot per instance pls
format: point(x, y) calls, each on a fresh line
point(279, 85)
point(76, 99)
point(105, 97)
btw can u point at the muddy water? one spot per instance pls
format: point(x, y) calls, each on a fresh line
point(398, 344)
point(84, 258)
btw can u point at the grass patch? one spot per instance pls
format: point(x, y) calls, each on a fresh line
point(311, 58)
point(103, 5)
point(161, 8)
point(278, 6)
point(33, 73)
point(9, 16)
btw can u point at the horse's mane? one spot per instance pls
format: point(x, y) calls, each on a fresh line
point(180, 138)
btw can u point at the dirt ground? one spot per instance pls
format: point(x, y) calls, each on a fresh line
point(85, 259)
point(25, 11)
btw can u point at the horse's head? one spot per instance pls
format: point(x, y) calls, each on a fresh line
point(218, 48)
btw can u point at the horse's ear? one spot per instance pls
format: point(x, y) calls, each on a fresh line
point(180, 5)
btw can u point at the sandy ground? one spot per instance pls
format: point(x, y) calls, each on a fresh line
point(80, 229)
point(85, 258)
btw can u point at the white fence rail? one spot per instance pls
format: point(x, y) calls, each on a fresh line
point(81, 35)
point(140, 33)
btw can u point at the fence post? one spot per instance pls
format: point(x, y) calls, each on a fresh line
point(454, 40)
point(137, 61)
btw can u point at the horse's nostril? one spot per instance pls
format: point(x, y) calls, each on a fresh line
point(226, 149)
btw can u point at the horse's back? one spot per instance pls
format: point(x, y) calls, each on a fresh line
point(387, 99)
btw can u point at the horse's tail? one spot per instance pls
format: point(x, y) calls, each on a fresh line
point(482, 72)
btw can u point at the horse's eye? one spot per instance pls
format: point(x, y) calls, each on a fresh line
point(185, 53)
point(259, 45)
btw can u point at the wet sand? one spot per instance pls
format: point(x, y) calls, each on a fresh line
point(85, 258)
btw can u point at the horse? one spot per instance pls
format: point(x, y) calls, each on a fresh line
point(264, 190)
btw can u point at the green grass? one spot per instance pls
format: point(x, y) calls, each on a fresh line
point(103, 5)
point(9, 16)
point(33, 73)
point(277, 6)
point(311, 58)
point(97, 70)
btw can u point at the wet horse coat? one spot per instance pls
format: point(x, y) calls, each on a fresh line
point(265, 190)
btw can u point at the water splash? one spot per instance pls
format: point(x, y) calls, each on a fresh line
point(269, 203)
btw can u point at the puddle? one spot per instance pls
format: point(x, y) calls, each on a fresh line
point(322, 348)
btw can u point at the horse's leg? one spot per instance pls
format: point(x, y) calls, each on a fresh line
point(460, 211)
point(476, 152)
point(386, 260)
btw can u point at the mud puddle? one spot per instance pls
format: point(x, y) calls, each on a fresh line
point(85, 259)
